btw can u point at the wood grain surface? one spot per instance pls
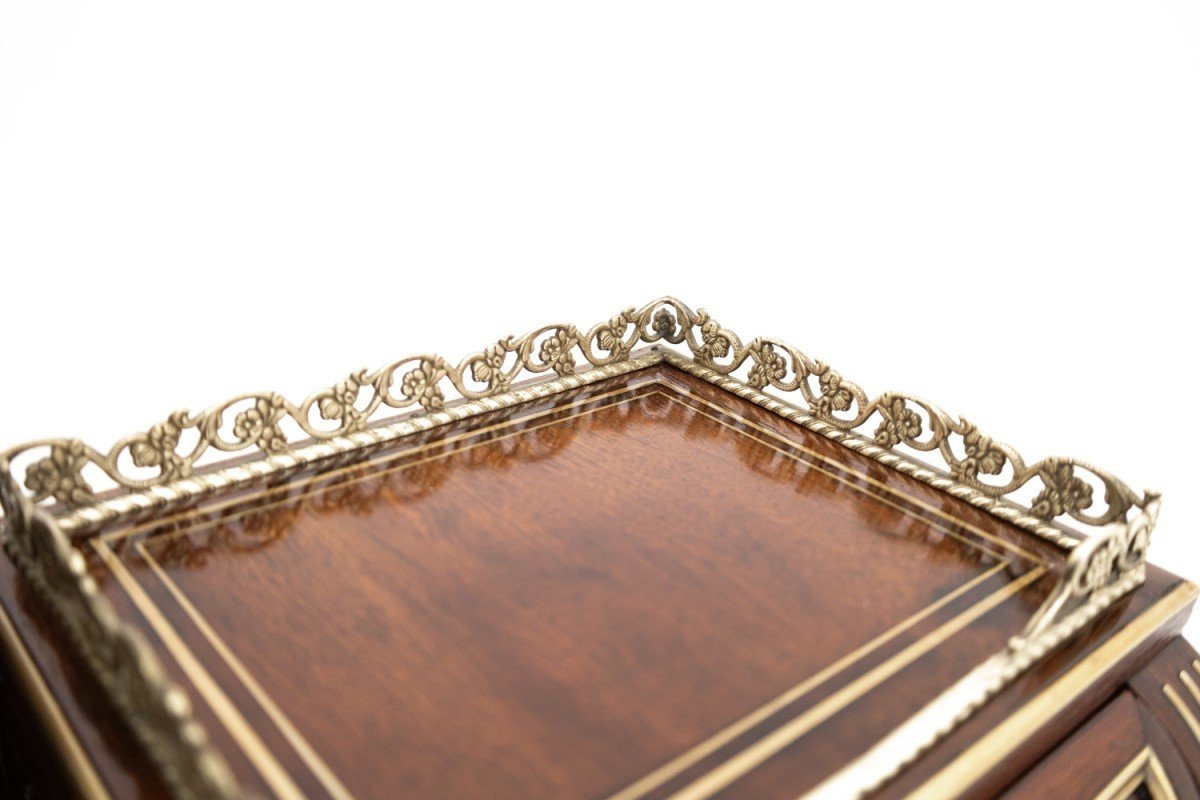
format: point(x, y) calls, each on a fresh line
point(622, 591)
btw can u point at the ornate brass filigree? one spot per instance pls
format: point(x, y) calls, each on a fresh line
point(153, 470)
point(359, 487)
point(254, 420)
point(891, 419)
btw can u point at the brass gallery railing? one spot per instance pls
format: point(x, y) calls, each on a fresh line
point(47, 494)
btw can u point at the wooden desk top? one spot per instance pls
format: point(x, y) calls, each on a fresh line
point(717, 569)
point(643, 588)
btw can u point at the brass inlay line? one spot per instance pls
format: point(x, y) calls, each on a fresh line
point(769, 709)
point(80, 767)
point(1190, 685)
point(271, 770)
point(316, 490)
point(322, 771)
point(323, 476)
point(874, 482)
point(1002, 740)
point(864, 490)
point(1157, 780)
point(781, 737)
point(1127, 780)
point(1181, 708)
point(222, 706)
point(1145, 769)
point(721, 738)
point(309, 755)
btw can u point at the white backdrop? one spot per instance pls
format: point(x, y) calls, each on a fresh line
point(996, 205)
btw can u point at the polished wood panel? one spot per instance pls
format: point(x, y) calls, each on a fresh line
point(615, 592)
point(535, 610)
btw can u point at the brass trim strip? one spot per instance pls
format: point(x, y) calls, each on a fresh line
point(1190, 685)
point(1144, 769)
point(166, 494)
point(253, 747)
point(992, 748)
point(975, 529)
point(1181, 708)
point(997, 506)
point(936, 524)
point(207, 511)
point(324, 476)
point(778, 739)
point(1129, 778)
point(727, 734)
point(260, 756)
point(1157, 780)
point(305, 750)
point(79, 766)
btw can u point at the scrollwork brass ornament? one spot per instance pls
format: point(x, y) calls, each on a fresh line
point(421, 382)
point(254, 420)
point(161, 466)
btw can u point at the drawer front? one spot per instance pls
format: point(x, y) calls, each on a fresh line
point(1121, 752)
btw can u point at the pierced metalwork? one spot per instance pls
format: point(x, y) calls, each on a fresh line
point(154, 470)
point(254, 421)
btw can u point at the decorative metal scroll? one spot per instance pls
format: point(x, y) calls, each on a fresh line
point(421, 382)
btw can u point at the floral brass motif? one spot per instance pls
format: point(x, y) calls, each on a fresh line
point(420, 382)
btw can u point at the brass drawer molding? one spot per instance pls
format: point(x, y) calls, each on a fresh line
point(1176, 698)
point(48, 499)
point(1145, 770)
